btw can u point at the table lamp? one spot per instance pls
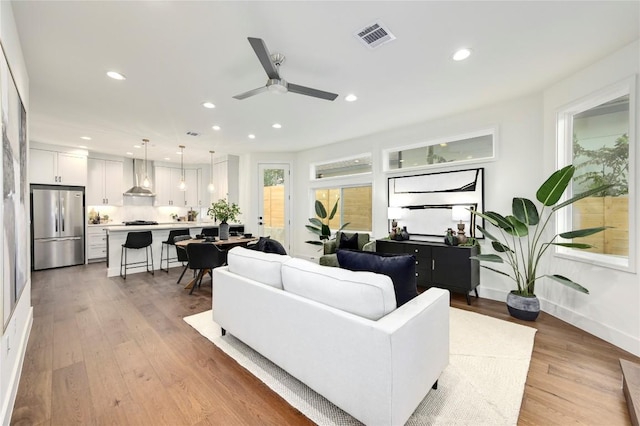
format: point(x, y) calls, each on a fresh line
point(393, 214)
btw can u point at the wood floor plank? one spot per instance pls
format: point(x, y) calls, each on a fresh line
point(130, 359)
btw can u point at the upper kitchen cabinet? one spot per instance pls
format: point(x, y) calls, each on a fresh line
point(57, 168)
point(167, 191)
point(193, 194)
point(104, 182)
point(226, 179)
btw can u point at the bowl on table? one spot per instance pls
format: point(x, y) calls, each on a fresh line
point(248, 235)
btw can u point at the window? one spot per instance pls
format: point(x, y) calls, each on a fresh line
point(471, 147)
point(354, 206)
point(345, 167)
point(594, 136)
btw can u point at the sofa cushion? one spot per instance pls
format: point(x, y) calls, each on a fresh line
point(400, 268)
point(365, 294)
point(348, 242)
point(256, 265)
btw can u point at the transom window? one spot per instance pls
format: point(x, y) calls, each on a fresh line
point(345, 167)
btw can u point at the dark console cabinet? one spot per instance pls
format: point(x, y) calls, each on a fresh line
point(439, 265)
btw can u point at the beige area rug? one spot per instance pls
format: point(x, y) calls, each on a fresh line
point(483, 384)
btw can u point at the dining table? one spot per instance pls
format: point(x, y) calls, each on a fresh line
point(233, 241)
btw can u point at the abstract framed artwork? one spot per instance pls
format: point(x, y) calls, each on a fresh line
point(14, 192)
point(429, 204)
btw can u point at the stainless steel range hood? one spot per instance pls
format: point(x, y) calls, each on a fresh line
point(138, 174)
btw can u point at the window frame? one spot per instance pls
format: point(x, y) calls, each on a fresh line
point(487, 131)
point(313, 168)
point(564, 156)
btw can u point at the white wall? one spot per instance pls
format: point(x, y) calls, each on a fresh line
point(526, 156)
point(16, 335)
point(612, 309)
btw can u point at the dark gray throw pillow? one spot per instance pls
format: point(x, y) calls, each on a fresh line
point(349, 243)
point(400, 268)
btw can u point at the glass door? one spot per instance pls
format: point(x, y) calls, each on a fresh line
point(273, 216)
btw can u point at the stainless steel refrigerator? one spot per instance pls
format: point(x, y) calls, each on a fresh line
point(57, 220)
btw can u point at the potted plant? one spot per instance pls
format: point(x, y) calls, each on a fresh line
point(320, 226)
point(224, 212)
point(521, 243)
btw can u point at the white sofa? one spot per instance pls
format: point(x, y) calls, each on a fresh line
point(337, 331)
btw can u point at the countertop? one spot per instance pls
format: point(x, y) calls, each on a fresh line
point(162, 226)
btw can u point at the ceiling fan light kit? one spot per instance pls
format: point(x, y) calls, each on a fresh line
point(276, 84)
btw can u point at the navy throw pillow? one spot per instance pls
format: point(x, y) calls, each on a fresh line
point(349, 243)
point(400, 268)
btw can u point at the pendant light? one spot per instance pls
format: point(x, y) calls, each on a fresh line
point(146, 182)
point(182, 186)
point(211, 187)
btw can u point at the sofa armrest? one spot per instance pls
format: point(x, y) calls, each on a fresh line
point(330, 247)
point(370, 246)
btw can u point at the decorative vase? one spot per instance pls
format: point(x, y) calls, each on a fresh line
point(526, 308)
point(404, 233)
point(450, 239)
point(224, 231)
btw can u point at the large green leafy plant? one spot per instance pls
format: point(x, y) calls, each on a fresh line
point(223, 211)
point(320, 224)
point(521, 244)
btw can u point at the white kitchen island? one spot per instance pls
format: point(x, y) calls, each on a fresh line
point(117, 235)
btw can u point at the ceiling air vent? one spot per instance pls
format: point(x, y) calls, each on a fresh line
point(374, 35)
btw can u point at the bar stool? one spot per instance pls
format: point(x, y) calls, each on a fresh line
point(170, 242)
point(136, 240)
point(210, 232)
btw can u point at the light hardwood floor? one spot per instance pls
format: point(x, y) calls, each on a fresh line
point(109, 351)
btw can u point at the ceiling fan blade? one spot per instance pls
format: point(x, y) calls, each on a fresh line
point(264, 56)
point(251, 93)
point(302, 90)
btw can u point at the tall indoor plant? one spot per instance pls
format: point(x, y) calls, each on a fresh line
point(522, 245)
point(320, 227)
point(224, 212)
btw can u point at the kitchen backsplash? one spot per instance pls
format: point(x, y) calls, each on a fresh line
point(117, 215)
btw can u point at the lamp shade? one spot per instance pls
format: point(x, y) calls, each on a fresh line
point(460, 213)
point(394, 213)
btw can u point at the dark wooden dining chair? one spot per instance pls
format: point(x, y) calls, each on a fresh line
point(181, 254)
point(169, 242)
point(204, 257)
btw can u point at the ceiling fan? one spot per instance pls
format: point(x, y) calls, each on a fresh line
point(271, 65)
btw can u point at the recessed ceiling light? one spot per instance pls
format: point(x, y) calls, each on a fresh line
point(167, 158)
point(252, 136)
point(216, 127)
point(86, 138)
point(129, 153)
point(179, 153)
point(276, 125)
point(356, 161)
point(82, 146)
point(443, 144)
point(208, 105)
point(116, 75)
point(137, 146)
point(351, 98)
point(462, 54)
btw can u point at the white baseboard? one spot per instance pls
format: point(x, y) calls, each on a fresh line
point(14, 379)
point(615, 337)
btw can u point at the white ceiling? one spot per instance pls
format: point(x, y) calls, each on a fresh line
point(179, 54)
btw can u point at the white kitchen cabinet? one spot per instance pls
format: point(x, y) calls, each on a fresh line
point(192, 196)
point(104, 182)
point(166, 187)
point(96, 243)
point(57, 168)
point(226, 179)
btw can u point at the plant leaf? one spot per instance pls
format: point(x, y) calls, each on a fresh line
point(518, 228)
point(498, 220)
point(320, 210)
point(326, 231)
point(566, 281)
point(525, 211)
point(583, 232)
point(334, 209)
point(496, 271)
point(553, 188)
point(316, 222)
point(483, 215)
point(573, 245)
point(313, 229)
point(582, 195)
point(344, 226)
point(487, 258)
point(315, 242)
point(499, 247)
point(486, 233)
